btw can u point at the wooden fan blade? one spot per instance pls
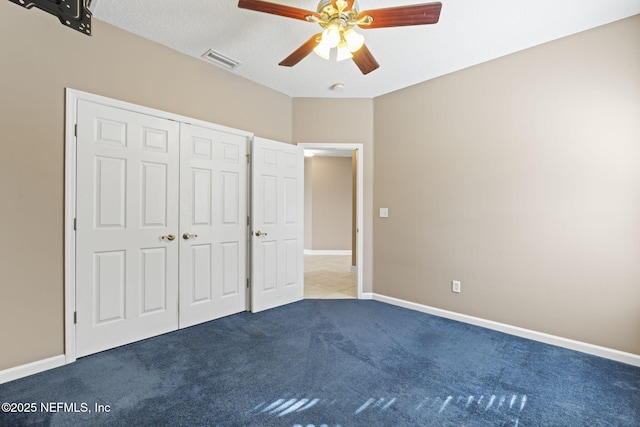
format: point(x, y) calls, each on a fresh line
point(300, 53)
point(346, 9)
point(365, 60)
point(276, 9)
point(417, 14)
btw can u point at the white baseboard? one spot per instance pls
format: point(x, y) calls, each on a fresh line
point(608, 353)
point(31, 368)
point(366, 295)
point(327, 252)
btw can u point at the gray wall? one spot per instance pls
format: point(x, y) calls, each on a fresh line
point(521, 178)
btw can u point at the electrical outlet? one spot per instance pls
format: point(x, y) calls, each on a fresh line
point(455, 286)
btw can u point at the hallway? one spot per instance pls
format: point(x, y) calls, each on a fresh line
point(329, 277)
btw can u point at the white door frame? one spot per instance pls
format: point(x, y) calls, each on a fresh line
point(71, 107)
point(359, 199)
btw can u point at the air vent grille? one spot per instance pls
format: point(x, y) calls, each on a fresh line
point(219, 59)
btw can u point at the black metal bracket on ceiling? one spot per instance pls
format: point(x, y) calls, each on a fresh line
point(72, 13)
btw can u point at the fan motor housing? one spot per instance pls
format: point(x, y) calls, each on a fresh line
point(325, 7)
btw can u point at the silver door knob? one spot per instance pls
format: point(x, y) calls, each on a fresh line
point(168, 237)
point(187, 236)
point(260, 233)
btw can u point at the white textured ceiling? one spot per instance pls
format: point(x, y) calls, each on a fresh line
point(469, 32)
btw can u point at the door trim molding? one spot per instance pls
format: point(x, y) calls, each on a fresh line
point(327, 252)
point(72, 96)
point(359, 200)
point(71, 109)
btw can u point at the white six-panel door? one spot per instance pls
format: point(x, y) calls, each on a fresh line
point(127, 200)
point(213, 224)
point(277, 221)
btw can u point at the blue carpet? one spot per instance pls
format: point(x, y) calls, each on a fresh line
point(331, 363)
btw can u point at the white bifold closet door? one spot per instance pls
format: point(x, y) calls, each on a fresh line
point(127, 213)
point(161, 236)
point(162, 230)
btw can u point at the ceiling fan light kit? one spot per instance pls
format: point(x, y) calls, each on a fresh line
point(338, 19)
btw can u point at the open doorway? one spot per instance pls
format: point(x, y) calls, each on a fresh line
point(333, 246)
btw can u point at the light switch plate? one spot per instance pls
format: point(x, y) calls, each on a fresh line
point(384, 212)
point(456, 286)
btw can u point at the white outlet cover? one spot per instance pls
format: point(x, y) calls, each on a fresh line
point(384, 212)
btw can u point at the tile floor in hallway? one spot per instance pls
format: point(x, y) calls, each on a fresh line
point(329, 277)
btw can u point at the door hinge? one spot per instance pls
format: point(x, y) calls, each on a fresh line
point(248, 282)
point(75, 317)
point(75, 224)
point(75, 130)
point(248, 158)
point(248, 221)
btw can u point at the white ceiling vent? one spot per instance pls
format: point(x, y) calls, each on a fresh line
point(219, 59)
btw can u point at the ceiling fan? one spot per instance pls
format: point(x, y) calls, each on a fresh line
point(338, 19)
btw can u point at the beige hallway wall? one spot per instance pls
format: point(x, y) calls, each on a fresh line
point(330, 204)
point(40, 57)
point(521, 178)
point(308, 203)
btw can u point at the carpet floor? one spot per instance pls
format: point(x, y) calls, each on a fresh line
point(330, 363)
